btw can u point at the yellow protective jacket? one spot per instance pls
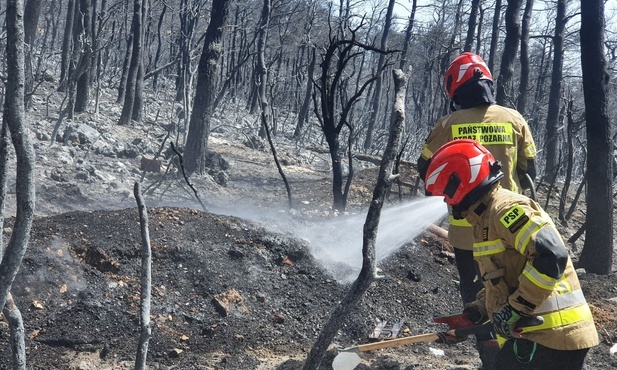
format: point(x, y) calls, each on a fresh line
point(504, 133)
point(523, 262)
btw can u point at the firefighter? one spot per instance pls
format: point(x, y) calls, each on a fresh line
point(523, 263)
point(504, 132)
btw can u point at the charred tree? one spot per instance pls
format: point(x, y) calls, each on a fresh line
point(261, 71)
point(304, 109)
point(523, 88)
point(510, 49)
point(159, 46)
point(597, 253)
point(569, 163)
point(139, 79)
point(554, 100)
point(195, 152)
point(98, 22)
point(32, 12)
point(13, 118)
point(328, 87)
point(481, 12)
point(125, 69)
point(189, 15)
point(18, 333)
point(408, 32)
point(371, 226)
point(451, 46)
point(494, 35)
point(303, 112)
point(368, 141)
point(129, 96)
point(83, 35)
point(471, 29)
point(145, 292)
point(5, 143)
point(67, 45)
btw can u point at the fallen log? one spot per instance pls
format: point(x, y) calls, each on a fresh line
point(439, 231)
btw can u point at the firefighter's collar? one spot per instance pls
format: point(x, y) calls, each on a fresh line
point(477, 209)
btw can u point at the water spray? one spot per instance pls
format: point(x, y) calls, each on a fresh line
point(337, 243)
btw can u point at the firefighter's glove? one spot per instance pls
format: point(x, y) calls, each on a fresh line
point(474, 314)
point(505, 321)
point(461, 320)
point(457, 321)
point(450, 339)
point(522, 178)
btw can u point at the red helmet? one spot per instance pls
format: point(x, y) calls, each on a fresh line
point(466, 67)
point(462, 171)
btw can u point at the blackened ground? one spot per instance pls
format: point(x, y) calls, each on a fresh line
point(78, 291)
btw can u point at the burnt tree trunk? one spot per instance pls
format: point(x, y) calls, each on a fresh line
point(570, 163)
point(159, 46)
point(597, 253)
point(67, 45)
point(84, 34)
point(554, 99)
point(261, 71)
point(447, 56)
point(494, 35)
point(18, 333)
point(32, 12)
point(13, 117)
point(304, 109)
point(408, 32)
point(199, 126)
point(471, 29)
point(139, 79)
point(371, 226)
point(125, 69)
point(523, 88)
point(368, 141)
point(511, 41)
point(329, 86)
point(145, 292)
point(131, 80)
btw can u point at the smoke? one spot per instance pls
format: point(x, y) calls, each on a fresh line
point(336, 242)
point(55, 269)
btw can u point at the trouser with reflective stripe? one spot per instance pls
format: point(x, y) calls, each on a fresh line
point(523, 354)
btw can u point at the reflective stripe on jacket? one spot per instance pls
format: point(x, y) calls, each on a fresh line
point(503, 131)
point(523, 262)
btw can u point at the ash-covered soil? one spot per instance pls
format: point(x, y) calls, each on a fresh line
point(233, 287)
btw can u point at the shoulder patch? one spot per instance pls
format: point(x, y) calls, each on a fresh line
point(509, 220)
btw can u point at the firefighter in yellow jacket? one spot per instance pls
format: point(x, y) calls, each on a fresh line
point(503, 131)
point(523, 263)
